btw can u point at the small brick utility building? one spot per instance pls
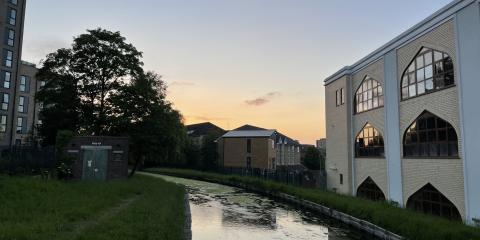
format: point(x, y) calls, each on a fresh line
point(99, 158)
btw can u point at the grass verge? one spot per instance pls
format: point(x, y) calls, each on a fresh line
point(409, 224)
point(137, 208)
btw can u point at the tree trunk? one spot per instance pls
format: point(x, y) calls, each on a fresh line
point(138, 160)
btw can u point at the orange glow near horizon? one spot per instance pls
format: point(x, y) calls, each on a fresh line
point(297, 117)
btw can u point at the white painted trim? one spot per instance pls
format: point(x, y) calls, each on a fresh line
point(462, 128)
point(351, 142)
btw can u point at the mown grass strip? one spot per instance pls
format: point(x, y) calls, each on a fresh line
point(33, 208)
point(409, 224)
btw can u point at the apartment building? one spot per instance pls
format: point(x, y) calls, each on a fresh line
point(254, 147)
point(17, 78)
point(402, 123)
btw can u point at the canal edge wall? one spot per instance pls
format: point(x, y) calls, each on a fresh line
point(352, 221)
point(187, 228)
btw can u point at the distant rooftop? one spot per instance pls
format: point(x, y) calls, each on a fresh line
point(202, 129)
point(29, 64)
point(248, 127)
point(249, 133)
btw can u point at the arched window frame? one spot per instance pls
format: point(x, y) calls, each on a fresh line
point(375, 147)
point(369, 95)
point(430, 200)
point(429, 71)
point(429, 136)
point(368, 189)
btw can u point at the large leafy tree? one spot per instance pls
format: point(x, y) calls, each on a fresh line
point(98, 87)
point(81, 79)
point(155, 128)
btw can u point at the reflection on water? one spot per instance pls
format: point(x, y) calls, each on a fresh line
point(222, 212)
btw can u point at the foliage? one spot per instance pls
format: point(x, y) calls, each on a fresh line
point(33, 208)
point(193, 155)
point(203, 156)
point(81, 79)
point(409, 224)
point(98, 87)
point(312, 159)
point(64, 162)
point(140, 111)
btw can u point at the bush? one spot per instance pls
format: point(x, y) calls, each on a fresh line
point(64, 162)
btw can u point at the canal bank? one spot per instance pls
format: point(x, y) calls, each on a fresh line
point(406, 223)
point(224, 212)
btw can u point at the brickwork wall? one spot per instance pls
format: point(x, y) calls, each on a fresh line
point(445, 174)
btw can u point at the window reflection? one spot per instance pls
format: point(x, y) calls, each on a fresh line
point(431, 70)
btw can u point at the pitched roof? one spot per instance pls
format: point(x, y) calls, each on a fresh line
point(201, 129)
point(248, 127)
point(249, 133)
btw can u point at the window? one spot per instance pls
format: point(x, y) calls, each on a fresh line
point(249, 145)
point(337, 98)
point(10, 37)
point(12, 16)
point(7, 78)
point(431, 201)
point(369, 190)
point(14, 2)
point(3, 123)
point(430, 71)
point(340, 97)
point(249, 162)
point(5, 101)
point(369, 143)
point(8, 58)
point(430, 136)
point(24, 82)
point(21, 104)
point(20, 125)
point(369, 95)
point(341, 179)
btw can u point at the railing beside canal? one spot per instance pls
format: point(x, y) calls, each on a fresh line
point(297, 177)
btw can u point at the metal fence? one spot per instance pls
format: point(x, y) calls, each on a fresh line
point(304, 178)
point(29, 160)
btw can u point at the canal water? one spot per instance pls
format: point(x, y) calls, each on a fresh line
point(223, 212)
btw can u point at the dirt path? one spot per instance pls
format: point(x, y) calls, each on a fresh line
point(105, 215)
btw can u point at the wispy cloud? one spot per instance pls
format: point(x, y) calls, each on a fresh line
point(263, 99)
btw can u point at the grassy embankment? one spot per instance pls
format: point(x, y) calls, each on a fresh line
point(406, 223)
point(138, 208)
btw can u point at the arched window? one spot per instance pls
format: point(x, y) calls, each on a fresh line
point(430, 136)
point(369, 190)
point(369, 95)
point(431, 70)
point(369, 143)
point(431, 201)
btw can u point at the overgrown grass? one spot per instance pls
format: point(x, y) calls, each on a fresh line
point(138, 208)
point(409, 224)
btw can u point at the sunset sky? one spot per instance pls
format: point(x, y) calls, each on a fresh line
point(233, 62)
